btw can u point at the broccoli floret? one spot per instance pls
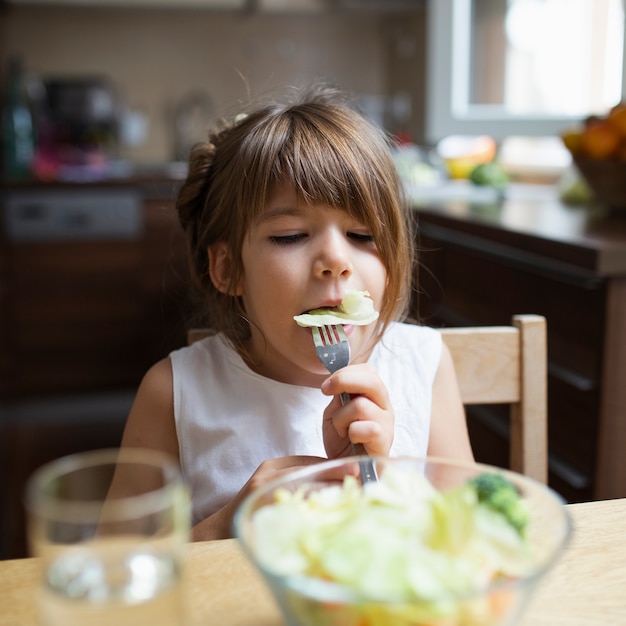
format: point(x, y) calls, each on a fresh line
point(500, 494)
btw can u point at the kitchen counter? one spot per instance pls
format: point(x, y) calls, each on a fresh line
point(153, 180)
point(533, 219)
point(484, 257)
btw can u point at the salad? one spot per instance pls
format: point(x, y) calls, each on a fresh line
point(356, 308)
point(400, 551)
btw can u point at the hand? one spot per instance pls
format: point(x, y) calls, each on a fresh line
point(368, 417)
point(219, 525)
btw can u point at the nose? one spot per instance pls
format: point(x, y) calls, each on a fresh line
point(333, 259)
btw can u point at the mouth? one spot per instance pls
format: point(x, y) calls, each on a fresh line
point(330, 309)
point(355, 308)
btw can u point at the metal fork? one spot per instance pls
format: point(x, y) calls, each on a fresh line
point(333, 350)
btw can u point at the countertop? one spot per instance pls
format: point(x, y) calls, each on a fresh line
point(530, 218)
point(160, 180)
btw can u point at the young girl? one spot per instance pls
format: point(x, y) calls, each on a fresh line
point(285, 210)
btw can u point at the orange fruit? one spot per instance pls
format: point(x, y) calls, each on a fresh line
point(572, 139)
point(599, 140)
point(617, 119)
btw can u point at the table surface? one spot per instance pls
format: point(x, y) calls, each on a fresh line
point(586, 588)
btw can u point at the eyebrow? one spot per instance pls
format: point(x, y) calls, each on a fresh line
point(274, 213)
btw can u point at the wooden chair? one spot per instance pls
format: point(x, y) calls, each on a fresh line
point(502, 365)
point(508, 365)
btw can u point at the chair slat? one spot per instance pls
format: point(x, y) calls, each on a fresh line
point(508, 365)
point(487, 362)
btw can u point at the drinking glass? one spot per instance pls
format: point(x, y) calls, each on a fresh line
point(110, 529)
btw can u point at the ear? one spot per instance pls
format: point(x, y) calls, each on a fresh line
point(220, 268)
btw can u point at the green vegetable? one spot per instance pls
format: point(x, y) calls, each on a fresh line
point(500, 495)
point(408, 553)
point(489, 174)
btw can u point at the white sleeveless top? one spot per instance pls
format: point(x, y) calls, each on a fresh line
point(229, 419)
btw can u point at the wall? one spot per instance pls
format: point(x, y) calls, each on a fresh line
point(157, 57)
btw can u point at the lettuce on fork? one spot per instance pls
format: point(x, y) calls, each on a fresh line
point(356, 308)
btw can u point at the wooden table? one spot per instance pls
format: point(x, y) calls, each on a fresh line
point(586, 588)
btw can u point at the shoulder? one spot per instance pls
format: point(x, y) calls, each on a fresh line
point(417, 331)
point(150, 422)
point(212, 347)
point(402, 336)
point(406, 350)
point(157, 381)
point(208, 359)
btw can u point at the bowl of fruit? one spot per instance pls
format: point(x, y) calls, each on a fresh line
point(429, 543)
point(598, 148)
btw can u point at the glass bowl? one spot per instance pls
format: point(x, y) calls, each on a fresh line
point(413, 549)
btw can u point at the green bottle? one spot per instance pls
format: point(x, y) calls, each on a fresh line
point(18, 138)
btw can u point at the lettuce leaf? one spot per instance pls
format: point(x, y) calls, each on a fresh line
point(356, 309)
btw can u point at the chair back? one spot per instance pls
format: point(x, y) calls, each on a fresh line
point(508, 365)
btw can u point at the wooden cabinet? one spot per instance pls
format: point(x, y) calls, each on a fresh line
point(89, 309)
point(474, 269)
point(86, 307)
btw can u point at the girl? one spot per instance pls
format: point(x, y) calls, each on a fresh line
point(285, 210)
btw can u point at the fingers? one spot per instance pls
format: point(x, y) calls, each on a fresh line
point(219, 524)
point(368, 417)
point(275, 468)
point(361, 379)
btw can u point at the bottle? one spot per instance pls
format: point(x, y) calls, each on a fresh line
point(18, 139)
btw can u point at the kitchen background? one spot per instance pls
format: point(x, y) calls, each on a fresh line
point(93, 286)
point(159, 60)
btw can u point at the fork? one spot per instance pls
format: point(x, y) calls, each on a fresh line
point(333, 350)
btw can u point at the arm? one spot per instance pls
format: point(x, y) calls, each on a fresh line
point(151, 424)
point(219, 525)
point(448, 427)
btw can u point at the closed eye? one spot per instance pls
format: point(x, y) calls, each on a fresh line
point(283, 240)
point(361, 237)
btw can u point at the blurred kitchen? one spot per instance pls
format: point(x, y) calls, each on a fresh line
point(102, 99)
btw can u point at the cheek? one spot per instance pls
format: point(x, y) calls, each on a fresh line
point(376, 278)
point(267, 287)
point(271, 267)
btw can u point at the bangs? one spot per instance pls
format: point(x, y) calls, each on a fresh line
point(326, 162)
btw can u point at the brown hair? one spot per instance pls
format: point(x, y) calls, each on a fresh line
point(330, 153)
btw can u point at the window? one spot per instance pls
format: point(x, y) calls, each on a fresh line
point(521, 67)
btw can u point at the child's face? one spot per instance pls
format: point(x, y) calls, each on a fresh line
point(298, 257)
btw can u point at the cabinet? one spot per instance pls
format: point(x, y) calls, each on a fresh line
point(93, 291)
point(481, 263)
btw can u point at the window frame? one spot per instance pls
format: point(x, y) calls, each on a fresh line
point(448, 48)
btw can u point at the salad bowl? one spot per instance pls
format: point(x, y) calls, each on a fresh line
point(431, 543)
